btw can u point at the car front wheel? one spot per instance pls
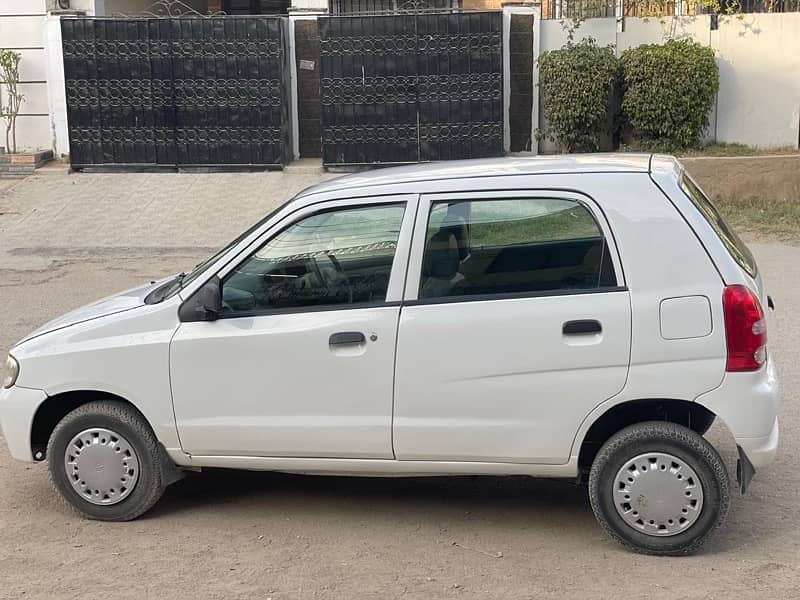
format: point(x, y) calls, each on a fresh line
point(105, 461)
point(659, 488)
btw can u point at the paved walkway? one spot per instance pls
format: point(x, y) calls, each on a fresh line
point(57, 215)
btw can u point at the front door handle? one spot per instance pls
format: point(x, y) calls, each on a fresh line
point(581, 327)
point(347, 338)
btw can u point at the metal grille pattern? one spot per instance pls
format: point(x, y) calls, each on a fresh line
point(176, 91)
point(351, 7)
point(406, 88)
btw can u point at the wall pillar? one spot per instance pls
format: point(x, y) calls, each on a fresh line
point(56, 87)
point(521, 75)
point(304, 55)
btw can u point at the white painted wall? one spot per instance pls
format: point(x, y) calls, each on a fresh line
point(316, 5)
point(759, 63)
point(22, 7)
point(56, 88)
point(21, 29)
point(554, 32)
point(657, 31)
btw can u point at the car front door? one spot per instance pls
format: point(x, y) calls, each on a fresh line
point(300, 362)
point(516, 323)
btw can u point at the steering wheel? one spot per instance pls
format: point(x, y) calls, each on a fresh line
point(339, 279)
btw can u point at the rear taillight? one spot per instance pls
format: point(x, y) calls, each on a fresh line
point(745, 329)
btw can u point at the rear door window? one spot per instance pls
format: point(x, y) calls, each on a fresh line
point(512, 246)
point(736, 247)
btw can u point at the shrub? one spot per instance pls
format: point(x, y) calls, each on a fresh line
point(9, 109)
point(577, 85)
point(668, 92)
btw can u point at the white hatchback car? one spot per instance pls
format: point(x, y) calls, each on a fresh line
point(553, 317)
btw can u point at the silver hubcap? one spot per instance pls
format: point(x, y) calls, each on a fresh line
point(658, 494)
point(101, 465)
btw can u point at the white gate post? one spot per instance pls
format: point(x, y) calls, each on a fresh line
point(56, 86)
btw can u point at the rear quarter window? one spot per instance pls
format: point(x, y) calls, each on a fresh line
point(736, 247)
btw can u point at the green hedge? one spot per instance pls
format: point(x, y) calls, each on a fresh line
point(668, 92)
point(577, 85)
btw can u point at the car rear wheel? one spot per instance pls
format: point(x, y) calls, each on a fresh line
point(659, 488)
point(105, 461)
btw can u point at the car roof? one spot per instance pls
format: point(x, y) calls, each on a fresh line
point(487, 167)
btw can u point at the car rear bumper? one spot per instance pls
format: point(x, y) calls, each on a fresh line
point(752, 452)
point(748, 405)
point(760, 451)
point(17, 408)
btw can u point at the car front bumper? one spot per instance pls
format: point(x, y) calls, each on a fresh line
point(17, 409)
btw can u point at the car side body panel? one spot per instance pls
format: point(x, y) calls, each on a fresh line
point(125, 354)
point(666, 252)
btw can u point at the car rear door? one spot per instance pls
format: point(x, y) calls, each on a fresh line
point(516, 323)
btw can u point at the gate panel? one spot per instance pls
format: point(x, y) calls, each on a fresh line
point(411, 87)
point(108, 76)
point(368, 89)
point(176, 91)
point(460, 85)
point(228, 80)
point(162, 92)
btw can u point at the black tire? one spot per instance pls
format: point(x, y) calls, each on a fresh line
point(681, 442)
point(128, 422)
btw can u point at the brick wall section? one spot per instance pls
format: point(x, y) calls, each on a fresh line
point(306, 35)
point(482, 4)
point(521, 84)
point(546, 7)
point(20, 165)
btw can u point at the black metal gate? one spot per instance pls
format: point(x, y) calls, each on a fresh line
point(411, 87)
point(176, 91)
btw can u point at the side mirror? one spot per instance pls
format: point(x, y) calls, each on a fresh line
point(204, 305)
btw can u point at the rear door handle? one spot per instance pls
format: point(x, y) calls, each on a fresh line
point(582, 326)
point(347, 338)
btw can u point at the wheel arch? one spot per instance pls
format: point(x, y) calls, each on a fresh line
point(50, 412)
point(683, 412)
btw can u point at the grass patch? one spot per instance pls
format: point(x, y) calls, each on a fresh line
point(736, 150)
point(778, 219)
point(712, 150)
point(565, 224)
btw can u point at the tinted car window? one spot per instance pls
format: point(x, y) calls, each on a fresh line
point(737, 248)
point(341, 256)
point(513, 246)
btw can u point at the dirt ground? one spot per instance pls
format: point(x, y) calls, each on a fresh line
point(769, 177)
point(224, 534)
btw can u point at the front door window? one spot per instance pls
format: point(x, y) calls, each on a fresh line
point(340, 257)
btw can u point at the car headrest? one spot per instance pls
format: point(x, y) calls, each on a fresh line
point(441, 256)
point(456, 225)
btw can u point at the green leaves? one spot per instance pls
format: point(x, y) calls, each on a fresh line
point(577, 85)
point(9, 75)
point(668, 92)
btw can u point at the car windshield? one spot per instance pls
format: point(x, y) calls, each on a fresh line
point(185, 279)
